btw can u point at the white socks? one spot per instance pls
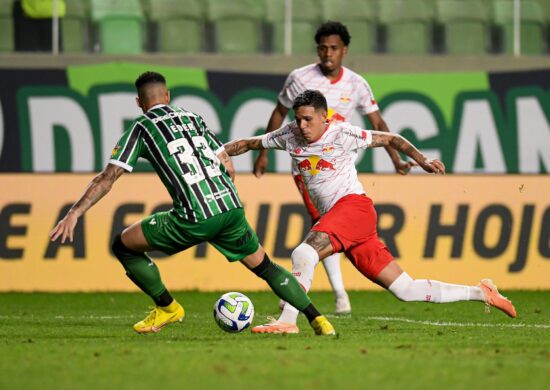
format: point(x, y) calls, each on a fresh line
point(407, 289)
point(304, 260)
point(332, 266)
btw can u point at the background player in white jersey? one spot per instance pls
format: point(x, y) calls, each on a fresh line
point(346, 92)
point(197, 172)
point(324, 153)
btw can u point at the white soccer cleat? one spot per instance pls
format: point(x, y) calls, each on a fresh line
point(343, 306)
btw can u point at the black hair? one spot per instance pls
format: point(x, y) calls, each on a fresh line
point(149, 78)
point(333, 28)
point(310, 97)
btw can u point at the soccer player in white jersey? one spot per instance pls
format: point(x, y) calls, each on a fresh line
point(198, 174)
point(324, 152)
point(346, 92)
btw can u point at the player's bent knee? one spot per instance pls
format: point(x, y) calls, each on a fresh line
point(117, 245)
point(121, 251)
point(304, 255)
point(401, 287)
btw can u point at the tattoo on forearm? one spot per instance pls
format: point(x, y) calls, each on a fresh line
point(98, 187)
point(238, 147)
point(318, 240)
point(406, 147)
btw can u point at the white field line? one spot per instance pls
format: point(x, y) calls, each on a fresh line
point(374, 318)
point(460, 324)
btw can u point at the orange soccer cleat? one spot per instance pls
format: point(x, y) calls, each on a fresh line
point(495, 299)
point(276, 327)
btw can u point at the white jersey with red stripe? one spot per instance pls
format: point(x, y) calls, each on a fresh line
point(344, 95)
point(327, 165)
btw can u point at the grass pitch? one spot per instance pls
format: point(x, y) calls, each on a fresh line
point(85, 341)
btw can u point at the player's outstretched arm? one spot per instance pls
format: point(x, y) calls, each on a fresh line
point(378, 123)
point(96, 189)
point(401, 144)
point(275, 121)
point(240, 146)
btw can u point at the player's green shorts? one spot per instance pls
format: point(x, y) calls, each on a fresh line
point(228, 232)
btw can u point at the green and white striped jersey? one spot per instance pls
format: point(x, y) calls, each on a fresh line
point(183, 152)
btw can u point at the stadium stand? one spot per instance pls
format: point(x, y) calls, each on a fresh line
point(74, 25)
point(465, 26)
point(407, 26)
point(359, 16)
point(532, 29)
point(456, 27)
point(236, 25)
point(6, 26)
point(179, 25)
point(306, 17)
point(120, 26)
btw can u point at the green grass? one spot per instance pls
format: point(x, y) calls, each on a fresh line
point(85, 341)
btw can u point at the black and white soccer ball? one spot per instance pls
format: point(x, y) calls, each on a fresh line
point(233, 312)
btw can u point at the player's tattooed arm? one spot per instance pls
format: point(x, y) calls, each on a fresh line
point(320, 242)
point(240, 146)
point(228, 164)
point(96, 189)
point(401, 144)
point(402, 167)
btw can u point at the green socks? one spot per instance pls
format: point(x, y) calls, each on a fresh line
point(283, 283)
point(140, 269)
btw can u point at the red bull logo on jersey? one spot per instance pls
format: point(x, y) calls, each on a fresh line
point(328, 149)
point(345, 99)
point(335, 116)
point(315, 165)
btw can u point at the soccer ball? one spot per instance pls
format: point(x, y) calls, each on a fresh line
point(233, 312)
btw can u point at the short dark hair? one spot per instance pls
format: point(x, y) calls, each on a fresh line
point(149, 78)
point(333, 28)
point(310, 97)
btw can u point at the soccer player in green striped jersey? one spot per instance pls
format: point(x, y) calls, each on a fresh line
point(198, 174)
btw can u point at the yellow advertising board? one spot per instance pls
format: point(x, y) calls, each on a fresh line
point(454, 228)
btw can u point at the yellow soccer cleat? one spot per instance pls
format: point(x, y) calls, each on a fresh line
point(322, 326)
point(159, 317)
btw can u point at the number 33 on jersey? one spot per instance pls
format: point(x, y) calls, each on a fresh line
point(184, 152)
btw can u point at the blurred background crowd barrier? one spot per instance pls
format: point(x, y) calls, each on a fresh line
point(518, 27)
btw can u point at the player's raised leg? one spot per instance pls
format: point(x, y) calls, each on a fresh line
point(129, 248)
point(408, 289)
point(285, 285)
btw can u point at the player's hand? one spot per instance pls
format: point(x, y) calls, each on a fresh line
point(403, 167)
point(64, 228)
point(433, 166)
point(260, 165)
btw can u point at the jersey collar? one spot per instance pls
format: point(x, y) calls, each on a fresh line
point(340, 75)
point(156, 106)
